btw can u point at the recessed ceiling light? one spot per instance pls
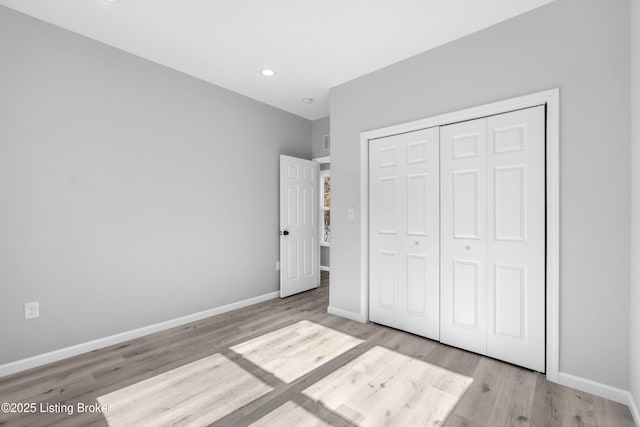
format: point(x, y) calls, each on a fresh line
point(307, 100)
point(267, 72)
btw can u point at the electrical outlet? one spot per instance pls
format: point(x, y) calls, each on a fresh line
point(351, 214)
point(277, 265)
point(31, 310)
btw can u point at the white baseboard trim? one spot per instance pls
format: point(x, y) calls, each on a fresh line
point(612, 393)
point(323, 268)
point(633, 407)
point(64, 353)
point(346, 314)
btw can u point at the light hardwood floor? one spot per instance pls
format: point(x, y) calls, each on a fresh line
point(287, 362)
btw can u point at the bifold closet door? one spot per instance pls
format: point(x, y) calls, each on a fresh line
point(463, 198)
point(404, 232)
point(493, 236)
point(516, 237)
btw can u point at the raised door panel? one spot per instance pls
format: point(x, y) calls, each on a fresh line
point(387, 211)
point(309, 255)
point(388, 279)
point(463, 235)
point(510, 288)
point(420, 231)
point(385, 227)
point(292, 205)
point(516, 238)
point(417, 273)
point(292, 267)
point(466, 204)
point(418, 186)
point(509, 203)
point(466, 294)
point(308, 206)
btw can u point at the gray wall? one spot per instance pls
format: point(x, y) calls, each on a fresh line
point(635, 200)
point(325, 256)
point(580, 46)
point(319, 128)
point(129, 193)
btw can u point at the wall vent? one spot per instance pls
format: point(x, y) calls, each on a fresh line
point(326, 142)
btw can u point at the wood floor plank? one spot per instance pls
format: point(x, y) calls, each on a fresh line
point(538, 409)
point(475, 406)
point(514, 397)
point(162, 377)
point(290, 414)
point(460, 361)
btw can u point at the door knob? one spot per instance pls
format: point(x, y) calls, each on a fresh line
point(285, 233)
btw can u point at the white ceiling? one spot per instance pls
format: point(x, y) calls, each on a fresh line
point(312, 45)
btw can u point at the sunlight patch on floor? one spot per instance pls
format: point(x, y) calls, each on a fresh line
point(296, 350)
point(290, 414)
point(196, 394)
point(383, 387)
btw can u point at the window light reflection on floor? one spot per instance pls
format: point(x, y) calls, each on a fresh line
point(196, 394)
point(295, 350)
point(384, 387)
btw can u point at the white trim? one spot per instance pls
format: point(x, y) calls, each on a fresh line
point(633, 407)
point(552, 100)
point(325, 159)
point(612, 393)
point(324, 268)
point(347, 314)
point(364, 226)
point(64, 353)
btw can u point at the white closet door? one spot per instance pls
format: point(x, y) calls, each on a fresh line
point(421, 233)
point(404, 232)
point(516, 237)
point(463, 235)
point(385, 231)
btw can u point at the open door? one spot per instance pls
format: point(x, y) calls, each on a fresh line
point(299, 248)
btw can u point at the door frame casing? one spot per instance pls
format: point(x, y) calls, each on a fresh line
point(550, 98)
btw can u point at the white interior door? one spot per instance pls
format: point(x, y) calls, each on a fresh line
point(421, 232)
point(516, 238)
point(404, 232)
point(463, 235)
point(299, 248)
point(385, 231)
